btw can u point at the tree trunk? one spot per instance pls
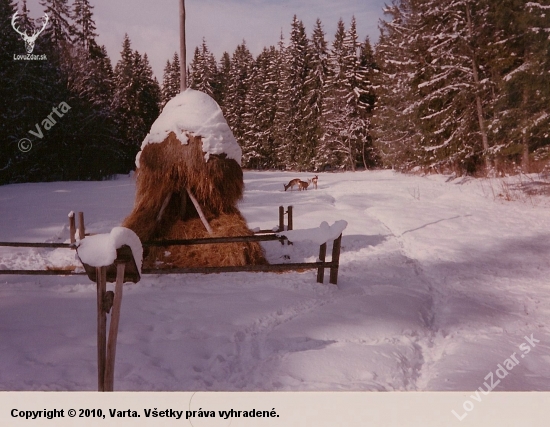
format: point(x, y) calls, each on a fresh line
point(479, 105)
point(524, 138)
point(363, 154)
point(525, 154)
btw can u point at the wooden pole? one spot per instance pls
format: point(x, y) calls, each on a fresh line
point(290, 224)
point(322, 256)
point(335, 260)
point(164, 205)
point(113, 329)
point(281, 218)
point(183, 200)
point(81, 229)
point(200, 212)
point(72, 227)
point(183, 53)
point(101, 280)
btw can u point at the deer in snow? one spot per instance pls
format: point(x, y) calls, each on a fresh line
point(313, 181)
point(292, 183)
point(302, 185)
point(29, 40)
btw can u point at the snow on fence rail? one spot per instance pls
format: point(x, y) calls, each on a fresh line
point(334, 234)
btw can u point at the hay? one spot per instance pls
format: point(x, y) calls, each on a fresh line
point(167, 169)
point(226, 254)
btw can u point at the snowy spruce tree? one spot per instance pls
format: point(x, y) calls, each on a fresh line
point(136, 100)
point(60, 30)
point(456, 99)
point(396, 134)
point(463, 84)
point(260, 107)
point(203, 70)
point(234, 103)
point(171, 79)
point(522, 118)
point(222, 79)
point(84, 26)
point(315, 87)
point(36, 87)
point(292, 107)
point(345, 115)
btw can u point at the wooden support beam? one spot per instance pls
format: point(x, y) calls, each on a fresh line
point(335, 260)
point(210, 240)
point(36, 245)
point(72, 227)
point(322, 256)
point(41, 273)
point(113, 329)
point(81, 229)
point(183, 202)
point(164, 205)
point(289, 218)
point(281, 218)
point(183, 51)
point(101, 281)
point(200, 212)
point(241, 268)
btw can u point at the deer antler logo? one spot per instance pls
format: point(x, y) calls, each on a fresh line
point(29, 40)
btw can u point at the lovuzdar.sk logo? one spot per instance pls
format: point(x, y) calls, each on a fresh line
point(29, 40)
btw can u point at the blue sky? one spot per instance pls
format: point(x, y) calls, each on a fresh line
point(153, 24)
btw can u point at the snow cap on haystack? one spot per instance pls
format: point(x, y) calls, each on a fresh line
point(195, 113)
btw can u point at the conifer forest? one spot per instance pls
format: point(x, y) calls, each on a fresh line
point(450, 85)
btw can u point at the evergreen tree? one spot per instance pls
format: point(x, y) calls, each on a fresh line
point(137, 97)
point(293, 146)
point(203, 70)
point(521, 120)
point(367, 101)
point(459, 88)
point(316, 85)
point(237, 88)
point(59, 29)
point(221, 80)
point(10, 130)
point(148, 93)
point(400, 69)
point(84, 25)
point(171, 80)
point(333, 151)
point(260, 107)
point(346, 110)
point(166, 81)
point(34, 88)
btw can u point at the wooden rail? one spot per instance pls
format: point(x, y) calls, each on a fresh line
point(36, 245)
point(261, 236)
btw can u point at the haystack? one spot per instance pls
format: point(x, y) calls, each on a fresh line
point(191, 152)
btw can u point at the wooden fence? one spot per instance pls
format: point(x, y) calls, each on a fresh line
point(260, 236)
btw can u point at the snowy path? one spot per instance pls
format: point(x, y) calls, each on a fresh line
point(439, 283)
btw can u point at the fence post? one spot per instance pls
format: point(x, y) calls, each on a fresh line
point(81, 229)
point(101, 280)
point(113, 329)
point(281, 218)
point(322, 256)
point(72, 227)
point(290, 224)
point(335, 260)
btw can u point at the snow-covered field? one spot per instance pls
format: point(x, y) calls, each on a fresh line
point(440, 284)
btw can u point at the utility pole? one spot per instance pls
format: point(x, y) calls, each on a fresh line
point(183, 53)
